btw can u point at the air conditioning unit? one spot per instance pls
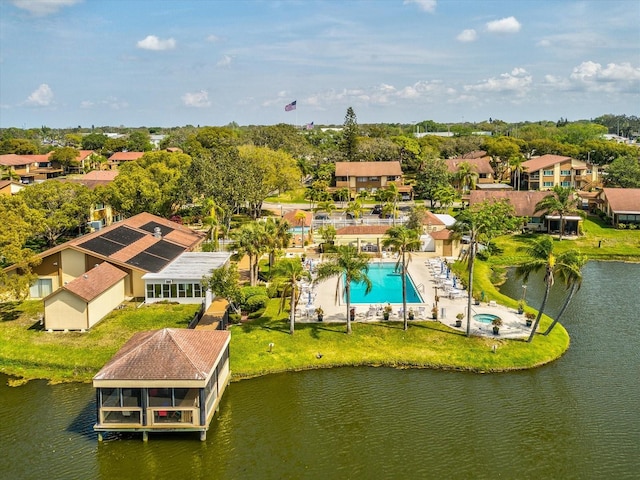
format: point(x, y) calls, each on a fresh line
point(168, 281)
point(97, 225)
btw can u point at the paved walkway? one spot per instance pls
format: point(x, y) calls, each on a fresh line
point(324, 295)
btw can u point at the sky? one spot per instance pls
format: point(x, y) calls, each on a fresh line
point(164, 63)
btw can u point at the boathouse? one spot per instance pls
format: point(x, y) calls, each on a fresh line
point(168, 380)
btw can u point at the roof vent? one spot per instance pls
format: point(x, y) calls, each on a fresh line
point(157, 232)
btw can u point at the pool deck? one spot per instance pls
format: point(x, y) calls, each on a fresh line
point(324, 295)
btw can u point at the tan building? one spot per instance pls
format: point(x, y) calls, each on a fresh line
point(31, 168)
point(547, 171)
point(101, 214)
point(9, 187)
point(83, 302)
point(620, 205)
point(141, 244)
point(169, 380)
point(371, 176)
point(524, 204)
point(115, 160)
point(480, 164)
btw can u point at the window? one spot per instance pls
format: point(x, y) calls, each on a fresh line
point(157, 290)
point(150, 290)
point(565, 184)
point(547, 184)
point(182, 290)
point(42, 288)
point(373, 179)
point(547, 172)
point(482, 175)
point(197, 290)
point(361, 179)
point(166, 291)
point(565, 173)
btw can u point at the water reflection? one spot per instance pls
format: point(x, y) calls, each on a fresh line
point(574, 418)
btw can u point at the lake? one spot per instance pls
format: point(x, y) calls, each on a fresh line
point(576, 418)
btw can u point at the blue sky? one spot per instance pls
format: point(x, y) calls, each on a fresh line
point(65, 63)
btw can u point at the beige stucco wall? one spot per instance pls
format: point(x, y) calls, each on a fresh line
point(63, 310)
point(103, 304)
point(73, 264)
point(137, 287)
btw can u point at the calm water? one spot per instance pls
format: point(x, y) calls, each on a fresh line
point(386, 286)
point(578, 418)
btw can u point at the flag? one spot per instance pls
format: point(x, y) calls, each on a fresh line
point(310, 126)
point(291, 106)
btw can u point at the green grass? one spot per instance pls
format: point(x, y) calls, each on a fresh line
point(26, 351)
point(425, 344)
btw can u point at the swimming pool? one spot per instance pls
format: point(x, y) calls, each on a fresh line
point(386, 286)
point(299, 230)
point(484, 317)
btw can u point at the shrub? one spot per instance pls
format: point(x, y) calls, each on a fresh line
point(622, 226)
point(248, 292)
point(255, 302)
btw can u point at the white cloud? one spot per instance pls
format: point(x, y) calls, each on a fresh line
point(614, 78)
point(43, 7)
point(504, 25)
point(41, 96)
point(468, 35)
point(518, 80)
point(225, 61)
point(213, 38)
point(425, 5)
point(151, 42)
point(197, 99)
point(110, 102)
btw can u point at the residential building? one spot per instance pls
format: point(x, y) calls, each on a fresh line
point(547, 171)
point(620, 205)
point(141, 244)
point(118, 158)
point(30, 168)
point(10, 187)
point(371, 177)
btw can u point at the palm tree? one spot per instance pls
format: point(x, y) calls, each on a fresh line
point(541, 256)
point(515, 163)
point(569, 270)
point(482, 222)
point(250, 240)
point(355, 208)
point(561, 202)
point(278, 237)
point(290, 271)
point(403, 240)
point(326, 206)
point(467, 176)
point(301, 219)
point(351, 263)
point(343, 195)
point(212, 221)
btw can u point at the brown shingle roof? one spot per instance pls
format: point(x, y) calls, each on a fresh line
point(294, 222)
point(623, 200)
point(95, 281)
point(543, 162)
point(367, 169)
point(524, 203)
point(363, 230)
point(482, 165)
point(475, 154)
point(13, 160)
point(429, 218)
point(125, 156)
point(168, 354)
point(441, 234)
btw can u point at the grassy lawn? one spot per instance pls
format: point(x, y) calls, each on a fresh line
point(425, 344)
point(599, 242)
point(29, 352)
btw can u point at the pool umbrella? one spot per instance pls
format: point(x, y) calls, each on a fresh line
point(455, 283)
point(448, 272)
point(309, 298)
point(441, 267)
